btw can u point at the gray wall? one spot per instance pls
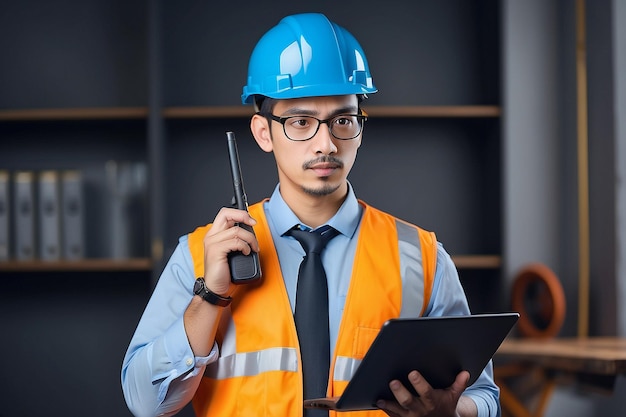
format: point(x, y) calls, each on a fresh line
point(530, 162)
point(540, 168)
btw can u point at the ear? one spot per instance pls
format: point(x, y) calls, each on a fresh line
point(260, 128)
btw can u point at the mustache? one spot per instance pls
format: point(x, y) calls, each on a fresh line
point(325, 159)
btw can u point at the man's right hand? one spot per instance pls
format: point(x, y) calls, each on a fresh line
point(222, 238)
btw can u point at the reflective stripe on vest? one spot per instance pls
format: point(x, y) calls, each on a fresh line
point(253, 363)
point(411, 270)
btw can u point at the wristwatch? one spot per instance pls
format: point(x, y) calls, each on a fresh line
point(200, 288)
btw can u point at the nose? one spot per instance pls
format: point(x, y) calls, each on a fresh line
point(324, 141)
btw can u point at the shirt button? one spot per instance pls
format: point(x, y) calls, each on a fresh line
point(189, 361)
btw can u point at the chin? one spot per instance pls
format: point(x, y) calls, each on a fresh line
point(323, 190)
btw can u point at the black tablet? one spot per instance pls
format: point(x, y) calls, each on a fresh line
point(438, 347)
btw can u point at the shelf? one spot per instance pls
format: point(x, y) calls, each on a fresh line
point(477, 261)
point(145, 264)
point(93, 113)
point(211, 112)
point(86, 265)
point(208, 112)
point(433, 111)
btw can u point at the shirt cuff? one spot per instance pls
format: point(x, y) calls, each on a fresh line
point(173, 357)
point(484, 406)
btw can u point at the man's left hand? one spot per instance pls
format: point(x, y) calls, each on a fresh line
point(429, 402)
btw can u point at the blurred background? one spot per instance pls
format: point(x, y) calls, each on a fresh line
point(477, 133)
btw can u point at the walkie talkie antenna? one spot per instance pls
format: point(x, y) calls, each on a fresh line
point(240, 198)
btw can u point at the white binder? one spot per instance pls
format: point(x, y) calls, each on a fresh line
point(49, 216)
point(24, 215)
point(72, 215)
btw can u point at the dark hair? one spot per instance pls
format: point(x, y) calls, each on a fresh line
point(265, 105)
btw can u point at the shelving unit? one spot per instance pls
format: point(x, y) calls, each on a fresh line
point(160, 83)
point(466, 261)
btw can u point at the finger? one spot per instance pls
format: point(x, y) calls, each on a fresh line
point(224, 229)
point(244, 240)
point(460, 383)
point(229, 240)
point(391, 408)
point(421, 386)
point(402, 395)
point(228, 217)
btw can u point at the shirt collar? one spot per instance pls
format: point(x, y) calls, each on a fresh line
point(346, 220)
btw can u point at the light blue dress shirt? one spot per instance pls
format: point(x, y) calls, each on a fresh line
point(160, 373)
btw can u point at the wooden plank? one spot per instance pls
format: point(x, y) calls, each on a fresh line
point(95, 113)
point(477, 261)
point(433, 111)
point(207, 112)
point(603, 356)
point(202, 112)
point(92, 265)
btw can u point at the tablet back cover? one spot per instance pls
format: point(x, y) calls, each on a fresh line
point(438, 347)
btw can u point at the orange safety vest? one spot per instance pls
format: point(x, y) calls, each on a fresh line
point(258, 372)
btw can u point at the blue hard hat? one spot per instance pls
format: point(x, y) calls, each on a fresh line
point(307, 55)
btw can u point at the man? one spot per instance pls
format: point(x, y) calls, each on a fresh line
point(236, 349)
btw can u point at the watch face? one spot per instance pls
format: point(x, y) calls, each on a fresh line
point(198, 287)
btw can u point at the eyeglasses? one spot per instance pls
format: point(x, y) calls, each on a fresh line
point(301, 128)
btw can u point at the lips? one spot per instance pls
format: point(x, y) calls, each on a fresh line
point(323, 166)
point(324, 169)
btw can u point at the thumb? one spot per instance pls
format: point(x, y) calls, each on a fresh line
point(460, 383)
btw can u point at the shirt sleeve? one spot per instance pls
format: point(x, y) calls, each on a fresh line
point(159, 372)
point(449, 299)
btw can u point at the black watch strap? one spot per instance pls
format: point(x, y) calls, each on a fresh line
point(209, 296)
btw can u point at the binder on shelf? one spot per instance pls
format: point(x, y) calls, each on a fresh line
point(24, 215)
point(72, 215)
point(4, 216)
point(127, 192)
point(49, 216)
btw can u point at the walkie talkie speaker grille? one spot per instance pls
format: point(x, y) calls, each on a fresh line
point(244, 268)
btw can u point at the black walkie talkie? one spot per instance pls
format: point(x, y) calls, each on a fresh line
point(243, 268)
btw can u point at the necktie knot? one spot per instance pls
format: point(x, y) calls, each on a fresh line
point(314, 241)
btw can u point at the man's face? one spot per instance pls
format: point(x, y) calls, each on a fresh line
point(318, 166)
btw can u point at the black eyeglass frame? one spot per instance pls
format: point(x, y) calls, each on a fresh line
point(361, 118)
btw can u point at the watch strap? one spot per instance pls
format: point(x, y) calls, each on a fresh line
point(209, 296)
